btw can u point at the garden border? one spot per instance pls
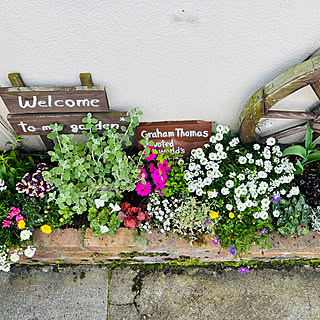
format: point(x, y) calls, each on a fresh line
point(128, 246)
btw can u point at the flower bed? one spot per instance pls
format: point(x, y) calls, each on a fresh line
point(226, 199)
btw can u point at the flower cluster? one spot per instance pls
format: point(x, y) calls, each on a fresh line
point(156, 170)
point(4, 265)
point(34, 185)
point(14, 218)
point(133, 217)
point(163, 211)
point(2, 185)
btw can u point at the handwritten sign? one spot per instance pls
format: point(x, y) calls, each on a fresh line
point(33, 124)
point(55, 99)
point(180, 136)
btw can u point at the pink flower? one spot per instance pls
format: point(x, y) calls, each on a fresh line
point(19, 217)
point(151, 155)
point(6, 224)
point(151, 167)
point(14, 212)
point(164, 166)
point(143, 189)
point(143, 173)
point(130, 223)
point(159, 179)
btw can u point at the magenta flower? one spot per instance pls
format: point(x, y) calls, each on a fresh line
point(215, 240)
point(232, 250)
point(243, 270)
point(151, 155)
point(275, 198)
point(143, 189)
point(6, 224)
point(143, 173)
point(19, 217)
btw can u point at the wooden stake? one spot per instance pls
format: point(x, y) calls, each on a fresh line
point(86, 79)
point(16, 80)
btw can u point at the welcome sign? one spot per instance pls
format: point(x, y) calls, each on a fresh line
point(55, 99)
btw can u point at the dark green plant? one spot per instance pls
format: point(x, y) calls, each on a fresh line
point(307, 153)
point(295, 216)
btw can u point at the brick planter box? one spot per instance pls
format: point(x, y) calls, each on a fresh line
point(79, 246)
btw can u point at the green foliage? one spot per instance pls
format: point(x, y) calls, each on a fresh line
point(97, 170)
point(294, 217)
point(13, 166)
point(307, 153)
point(175, 183)
point(189, 219)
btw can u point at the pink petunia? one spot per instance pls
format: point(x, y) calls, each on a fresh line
point(6, 224)
point(143, 189)
point(19, 217)
point(14, 212)
point(143, 173)
point(151, 155)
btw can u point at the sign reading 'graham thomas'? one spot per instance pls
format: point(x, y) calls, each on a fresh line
point(55, 99)
point(179, 136)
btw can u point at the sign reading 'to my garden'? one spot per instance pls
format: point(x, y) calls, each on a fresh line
point(179, 136)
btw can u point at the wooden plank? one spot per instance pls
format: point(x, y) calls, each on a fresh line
point(180, 136)
point(16, 79)
point(288, 115)
point(86, 79)
point(285, 132)
point(55, 99)
point(38, 124)
point(316, 88)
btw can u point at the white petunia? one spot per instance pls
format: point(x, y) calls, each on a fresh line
point(234, 142)
point(114, 207)
point(104, 229)
point(219, 136)
point(99, 203)
point(262, 175)
point(30, 251)
point(256, 215)
point(212, 194)
point(218, 147)
point(213, 139)
point(256, 146)
point(25, 234)
point(241, 176)
point(229, 207)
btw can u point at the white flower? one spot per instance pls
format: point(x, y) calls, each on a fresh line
point(104, 229)
point(114, 207)
point(212, 194)
point(232, 174)
point(180, 162)
point(229, 207)
point(15, 257)
point(213, 139)
point(241, 206)
point(256, 215)
point(241, 176)
point(199, 192)
point(192, 166)
point(229, 184)
point(265, 202)
point(256, 146)
point(259, 162)
point(263, 215)
point(25, 234)
point(242, 160)
point(271, 141)
point(203, 161)
point(99, 203)
point(213, 156)
point(219, 136)
point(262, 174)
point(225, 191)
point(276, 213)
point(218, 147)
point(219, 128)
point(234, 142)
point(30, 251)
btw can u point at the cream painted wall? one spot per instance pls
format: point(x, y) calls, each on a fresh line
point(175, 59)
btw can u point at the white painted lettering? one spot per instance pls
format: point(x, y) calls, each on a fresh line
point(57, 104)
point(84, 102)
point(94, 101)
point(42, 103)
point(26, 103)
point(31, 128)
point(46, 128)
point(23, 126)
point(70, 103)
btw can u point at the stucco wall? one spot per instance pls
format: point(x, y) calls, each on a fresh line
point(175, 59)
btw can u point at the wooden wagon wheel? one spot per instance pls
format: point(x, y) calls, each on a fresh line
point(259, 107)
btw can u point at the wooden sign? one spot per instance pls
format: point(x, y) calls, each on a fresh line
point(180, 136)
point(55, 99)
point(33, 124)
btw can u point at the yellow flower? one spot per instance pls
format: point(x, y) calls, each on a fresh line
point(61, 219)
point(46, 229)
point(231, 215)
point(21, 224)
point(214, 215)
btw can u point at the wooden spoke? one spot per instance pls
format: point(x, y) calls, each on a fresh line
point(285, 132)
point(289, 115)
point(316, 88)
